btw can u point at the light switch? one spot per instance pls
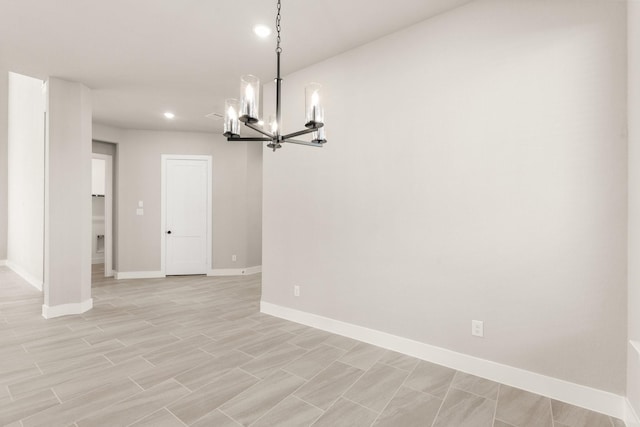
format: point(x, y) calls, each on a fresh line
point(139, 212)
point(140, 204)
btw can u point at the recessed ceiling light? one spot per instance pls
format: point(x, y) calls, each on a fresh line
point(169, 115)
point(262, 31)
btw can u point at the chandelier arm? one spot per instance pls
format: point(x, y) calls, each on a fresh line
point(239, 138)
point(300, 132)
point(309, 143)
point(259, 130)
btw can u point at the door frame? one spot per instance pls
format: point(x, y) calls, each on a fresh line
point(108, 212)
point(163, 208)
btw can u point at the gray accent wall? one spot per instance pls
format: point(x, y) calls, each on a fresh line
point(476, 169)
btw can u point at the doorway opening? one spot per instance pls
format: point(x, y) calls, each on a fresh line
point(102, 212)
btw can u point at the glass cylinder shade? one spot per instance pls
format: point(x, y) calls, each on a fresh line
point(249, 98)
point(319, 136)
point(313, 106)
point(273, 125)
point(231, 122)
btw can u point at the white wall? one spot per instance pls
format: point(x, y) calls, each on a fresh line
point(4, 197)
point(633, 359)
point(254, 204)
point(105, 133)
point(25, 244)
point(475, 169)
point(68, 199)
point(139, 154)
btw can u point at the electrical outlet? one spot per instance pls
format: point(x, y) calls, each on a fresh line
point(234, 258)
point(296, 291)
point(477, 328)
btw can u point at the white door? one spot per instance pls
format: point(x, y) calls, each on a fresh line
point(187, 216)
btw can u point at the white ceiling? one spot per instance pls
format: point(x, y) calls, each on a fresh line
point(141, 58)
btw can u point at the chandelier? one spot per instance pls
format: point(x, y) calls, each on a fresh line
point(246, 110)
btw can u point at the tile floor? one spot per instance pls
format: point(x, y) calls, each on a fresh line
point(196, 351)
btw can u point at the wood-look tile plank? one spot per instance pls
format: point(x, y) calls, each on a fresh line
point(161, 418)
point(399, 360)
point(341, 342)
point(464, 409)
point(19, 374)
point(217, 419)
point(4, 393)
point(68, 412)
point(12, 411)
point(153, 376)
point(268, 363)
point(84, 368)
point(617, 422)
point(315, 360)
point(363, 356)
point(256, 401)
point(176, 350)
point(136, 407)
point(207, 371)
point(57, 365)
point(78, 386)
point(574, 416)
point(431, 378)
point(475, 385)
point(196, 405)
point(146, 346)
point(266, 343)
point(377, 386)
point(523, 409)
point(310, 339)
point(409, 408)
point(291, 412)
point(323, 389)
point(345, 413)
point(231, 341)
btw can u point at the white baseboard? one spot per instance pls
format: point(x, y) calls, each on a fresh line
point(139, 275)
point(575, 394)
point(28, 277)
point(49, 312)
point(235, 271)
point(253, 270)
point(97, 261)
point(631, 418)
point(3, 262)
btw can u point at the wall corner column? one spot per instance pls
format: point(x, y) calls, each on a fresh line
point(67, 257)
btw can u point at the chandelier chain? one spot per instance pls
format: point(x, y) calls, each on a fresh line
point(278, 48)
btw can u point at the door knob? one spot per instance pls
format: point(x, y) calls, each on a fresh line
point(169, 232)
